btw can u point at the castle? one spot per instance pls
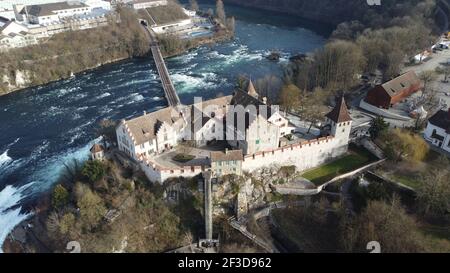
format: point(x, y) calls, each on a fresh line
point(258, 134)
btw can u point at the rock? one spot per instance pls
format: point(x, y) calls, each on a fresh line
point(274, 56)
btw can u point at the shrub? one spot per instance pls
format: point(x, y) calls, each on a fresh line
point(60, 197)
point(93, 170)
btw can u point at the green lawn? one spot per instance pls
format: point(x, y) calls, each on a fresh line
point(356, 158)
point(405, 180)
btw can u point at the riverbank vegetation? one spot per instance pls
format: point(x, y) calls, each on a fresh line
point(57, 58)
point(382, 42)
point(108, 208)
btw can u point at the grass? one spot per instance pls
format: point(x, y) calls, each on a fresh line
point(406, 180)
point(167, 14)
point(356, 158)
point(183, 158)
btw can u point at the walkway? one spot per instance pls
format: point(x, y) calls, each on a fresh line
point(169, 88)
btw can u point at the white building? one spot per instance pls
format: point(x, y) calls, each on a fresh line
point(13, 35)
point(53, 12)
point(34, 22)
point(256, 131)
point(438, 130)
point(143, 4)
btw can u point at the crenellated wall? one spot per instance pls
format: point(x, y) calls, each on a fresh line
point(304, 155)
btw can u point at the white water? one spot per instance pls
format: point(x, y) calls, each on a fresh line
point(10, 214)
point(42, 180)
point(4, 160)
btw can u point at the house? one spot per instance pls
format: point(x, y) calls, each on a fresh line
point(143, 4)
point(97, 152)
point(226, 162)
point(437, 131)
point(151, 133)
point(394, 91)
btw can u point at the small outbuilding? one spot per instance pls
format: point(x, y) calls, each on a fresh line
point(97, 152)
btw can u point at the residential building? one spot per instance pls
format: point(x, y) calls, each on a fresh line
point(226, 162)
point(394, 91)
point(437, 131)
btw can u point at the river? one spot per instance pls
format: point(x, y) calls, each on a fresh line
point(41, 128)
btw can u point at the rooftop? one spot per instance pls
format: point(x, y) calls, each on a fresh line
point(227, 155)
point(441, 119)
point(340, 112)
point(402, 82)
point(49, 8)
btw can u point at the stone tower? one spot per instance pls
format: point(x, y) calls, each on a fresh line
point(340, 123)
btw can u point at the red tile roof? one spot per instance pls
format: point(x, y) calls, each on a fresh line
point(340, 112)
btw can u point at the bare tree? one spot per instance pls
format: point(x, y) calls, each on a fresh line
point(194, 5)
point(220, 12)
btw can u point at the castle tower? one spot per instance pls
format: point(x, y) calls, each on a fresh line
point(251, 90)
point(340, 122)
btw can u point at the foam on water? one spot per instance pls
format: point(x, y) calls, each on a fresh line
point(10, 213)
point(188, 83)
point(4, 160)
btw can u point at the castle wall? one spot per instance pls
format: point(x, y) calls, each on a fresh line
point(305, 155)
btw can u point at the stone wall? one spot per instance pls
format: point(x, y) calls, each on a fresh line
point(304, 155)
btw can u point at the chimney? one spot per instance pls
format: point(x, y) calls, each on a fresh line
point(226, 150)
point(145, 112)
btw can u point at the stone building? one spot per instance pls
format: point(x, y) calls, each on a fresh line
point(226, 162)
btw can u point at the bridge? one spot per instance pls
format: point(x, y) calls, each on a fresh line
point(169, 88)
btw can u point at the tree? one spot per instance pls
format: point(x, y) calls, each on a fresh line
point(269, 86)
point(220, 12)
point(231, 24)
point(427, 77)
point(433, 194)
point(402, 144)
point(377, 127)
point(289, 97)
point(60, 197)
point(92, 209)
point(337, 65)
point(313, 107)
point(107, 130)
point(194, 5)
point(93, 170)
point(386, 223)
